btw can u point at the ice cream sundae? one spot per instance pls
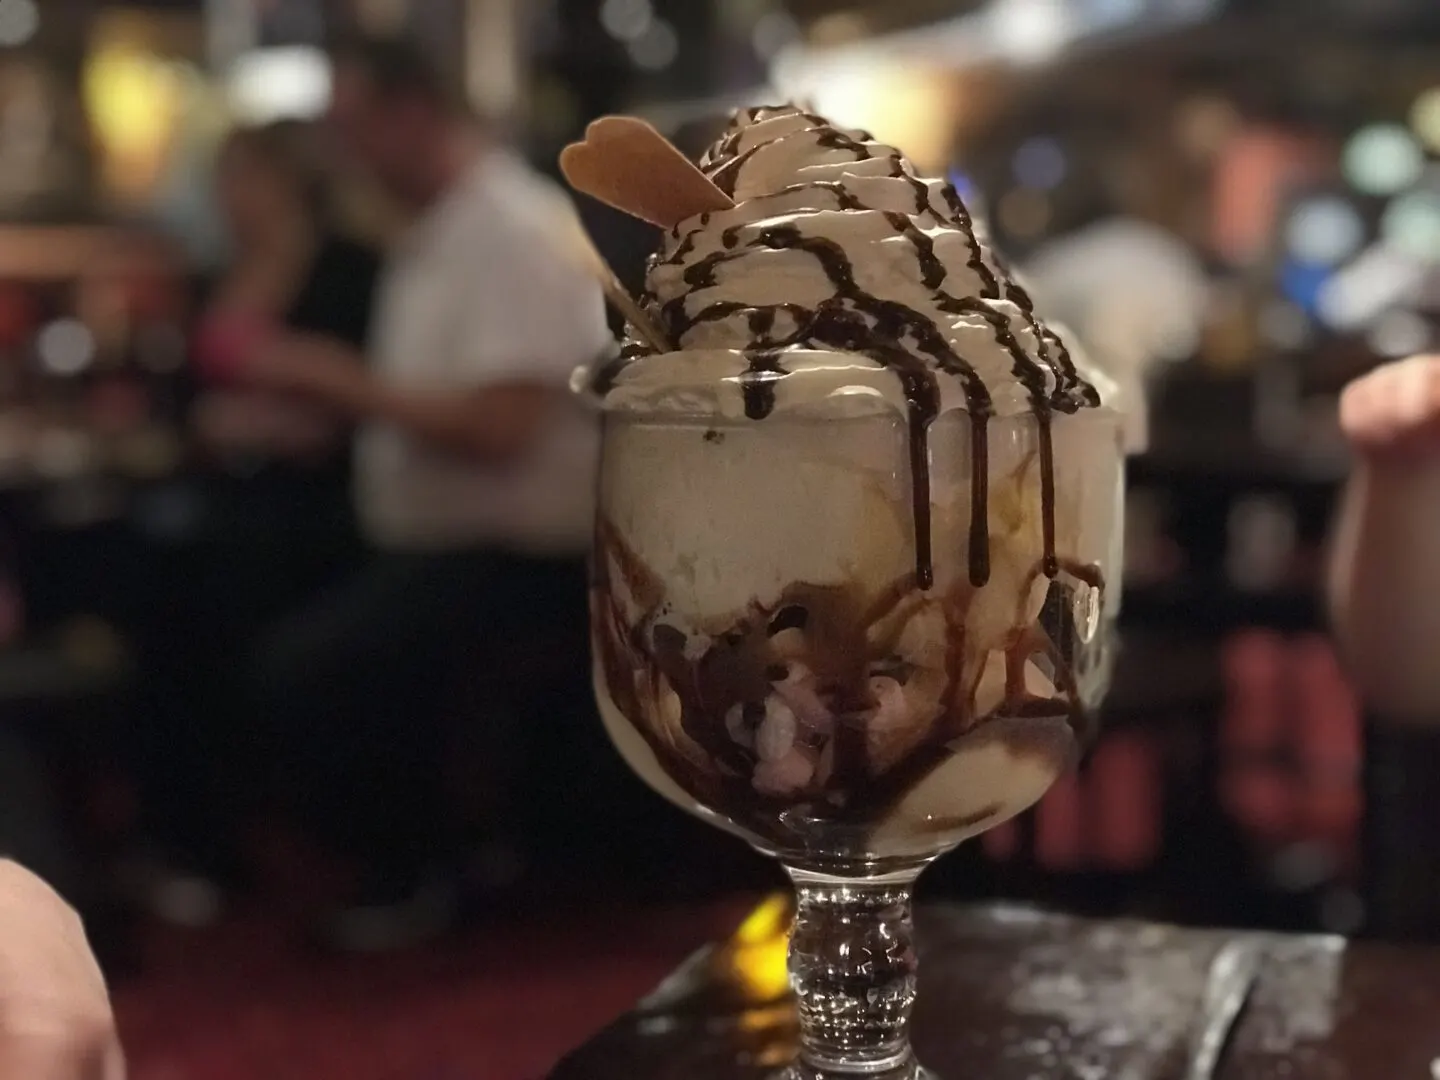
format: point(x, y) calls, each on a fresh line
point(857, 524)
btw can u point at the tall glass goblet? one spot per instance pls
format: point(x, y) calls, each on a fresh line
point(776, 653)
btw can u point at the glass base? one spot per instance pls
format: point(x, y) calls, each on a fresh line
point(852, 971)
point(911, 1070)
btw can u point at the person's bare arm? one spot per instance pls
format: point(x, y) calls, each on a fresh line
point(236, 421)
point(1384, 572)
point(495, 423)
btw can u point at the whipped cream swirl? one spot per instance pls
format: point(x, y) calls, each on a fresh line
point(836, 246)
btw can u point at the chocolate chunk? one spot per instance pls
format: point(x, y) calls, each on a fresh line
point(668, 639)
point(892, 667)
point(725, 676)
point(789, 617)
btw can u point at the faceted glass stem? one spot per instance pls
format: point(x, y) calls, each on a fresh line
point(852, 968)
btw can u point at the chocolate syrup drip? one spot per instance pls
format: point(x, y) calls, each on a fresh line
point(722, 150)
point(1081, 394)
point(844, 200)
point(830, 138)
point(676, 321)
point(1071, 391)
point(838, 268)
point(979, 499)
point(726, 167)
point(604, 377)
point(684, 248)
point(918, 432)
point(833, 139)
point(932, 275)
point(933, 272)
point(1048, 562)
point(843, 328)
point(723, 309)
point(757, 384)
point(892, 320)
point(840, 326)
point(918, 186)
point(702, 274)
point(852, 752)
point(990, 282)
point(725, 176)
point(761, 321)
point(740, 668)
point(922, 402)
point(1086, 573)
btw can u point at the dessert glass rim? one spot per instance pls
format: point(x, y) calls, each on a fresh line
point(824, 384)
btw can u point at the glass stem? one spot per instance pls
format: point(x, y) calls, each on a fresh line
point(852, 968)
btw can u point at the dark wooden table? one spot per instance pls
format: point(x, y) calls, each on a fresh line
point(1008, 993)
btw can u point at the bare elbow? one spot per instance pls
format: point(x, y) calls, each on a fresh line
point(1382, 583)
point(510, 420)
point(501, 445)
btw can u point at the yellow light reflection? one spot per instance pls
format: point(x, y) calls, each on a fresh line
point(908, 104)
point(775, 1055)
point(770, 919)
point(757, 953)
point(133, 99)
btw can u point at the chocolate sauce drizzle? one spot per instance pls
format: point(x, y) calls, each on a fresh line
point(738, 669)
point(887, 332)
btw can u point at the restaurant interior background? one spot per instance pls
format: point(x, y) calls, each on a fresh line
point(1237, 204)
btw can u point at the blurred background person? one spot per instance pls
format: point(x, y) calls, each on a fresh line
point(473, 472)
point(289, 270)
point(277, 518)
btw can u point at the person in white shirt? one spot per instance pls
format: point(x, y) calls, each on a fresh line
point(474, 464)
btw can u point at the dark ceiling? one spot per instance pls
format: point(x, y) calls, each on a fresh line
point(895, 14)
point(886, 15)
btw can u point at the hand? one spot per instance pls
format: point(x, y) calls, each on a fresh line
point(224, 339)
point(254, 422)
point(55, 1016)
point(1394, 411)
point(311, 367)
